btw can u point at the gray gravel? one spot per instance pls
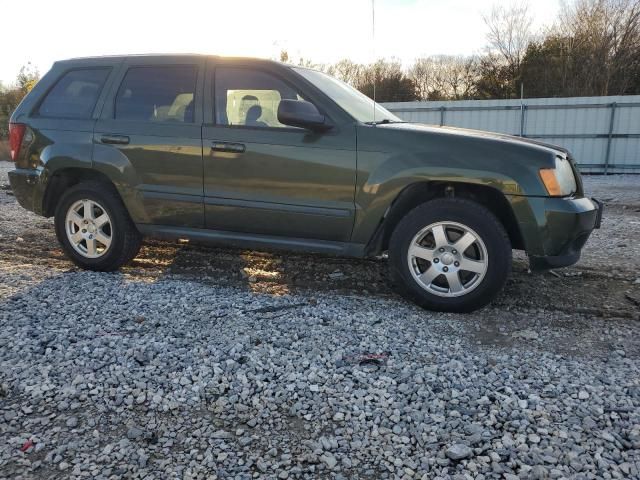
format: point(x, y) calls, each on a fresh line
point(199, 362)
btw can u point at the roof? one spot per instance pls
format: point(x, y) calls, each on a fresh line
point(167, 55)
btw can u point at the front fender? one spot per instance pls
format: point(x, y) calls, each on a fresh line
point(380, 190)
point(390, 161)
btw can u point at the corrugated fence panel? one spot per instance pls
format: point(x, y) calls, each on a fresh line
point(602, 133)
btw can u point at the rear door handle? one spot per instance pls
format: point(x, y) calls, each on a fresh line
point(115, 139)
point(227, 147)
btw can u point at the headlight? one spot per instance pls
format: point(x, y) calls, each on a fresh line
point(559, 181)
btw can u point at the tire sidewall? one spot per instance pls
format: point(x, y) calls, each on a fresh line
point(117, 228)
point(466, 213)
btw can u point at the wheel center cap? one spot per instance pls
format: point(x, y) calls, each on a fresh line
point(447, 258)
point(91, 228)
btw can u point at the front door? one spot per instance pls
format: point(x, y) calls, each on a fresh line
point(155, 123)
point(261, 176)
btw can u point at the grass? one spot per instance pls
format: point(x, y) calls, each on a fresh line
point(4, 150)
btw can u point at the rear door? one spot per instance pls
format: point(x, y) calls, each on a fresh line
point(152, 126)
point(268, 178)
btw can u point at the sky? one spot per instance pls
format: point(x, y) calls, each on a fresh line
point(324, 31)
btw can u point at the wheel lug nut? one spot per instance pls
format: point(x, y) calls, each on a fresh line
point(454, 251)
point(457, 264)
point(84, 230)
point(436, 260)
point(441, 249)
point(445, 269)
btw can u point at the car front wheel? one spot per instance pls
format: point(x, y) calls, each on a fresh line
point(450, 255)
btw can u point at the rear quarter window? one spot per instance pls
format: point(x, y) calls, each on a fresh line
point(75, 94)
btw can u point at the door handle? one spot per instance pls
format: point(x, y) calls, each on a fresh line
point(227, 147)
point(115, 139)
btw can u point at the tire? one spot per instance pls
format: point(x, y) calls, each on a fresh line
point(473, 277)
point(118, 230)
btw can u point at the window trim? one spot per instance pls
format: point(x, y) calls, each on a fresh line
point(214, 102)
point(35, 112)
point(123, 77)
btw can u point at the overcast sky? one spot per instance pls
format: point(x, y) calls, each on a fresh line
point(42, 31)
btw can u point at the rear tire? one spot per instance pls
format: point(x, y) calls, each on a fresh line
point(94, 227)
point(450, 254)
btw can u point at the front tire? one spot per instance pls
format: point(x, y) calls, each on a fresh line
point(450, 254)
point(94, 227)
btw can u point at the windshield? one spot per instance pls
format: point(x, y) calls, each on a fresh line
point(357, 104)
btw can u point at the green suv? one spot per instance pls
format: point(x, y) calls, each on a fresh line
point(257, 154)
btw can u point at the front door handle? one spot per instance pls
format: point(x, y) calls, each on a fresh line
point(115, 139)
point(227, 147)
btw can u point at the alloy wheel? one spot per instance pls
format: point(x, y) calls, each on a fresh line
point(447, 259)
point(89, 228)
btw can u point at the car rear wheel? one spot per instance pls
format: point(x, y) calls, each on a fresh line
point(450, 255)
point(94, 227)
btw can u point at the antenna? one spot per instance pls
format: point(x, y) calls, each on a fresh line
point(373, 42)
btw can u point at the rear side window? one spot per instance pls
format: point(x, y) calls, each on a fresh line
point(75, 94)
point(157, 94)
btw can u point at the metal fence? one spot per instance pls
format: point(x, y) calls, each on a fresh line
point(602, 133)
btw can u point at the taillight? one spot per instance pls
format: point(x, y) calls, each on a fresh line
point(16, 134)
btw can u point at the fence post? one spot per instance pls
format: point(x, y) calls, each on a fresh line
point(612, 119)
point(442, 109)
point(523, 110)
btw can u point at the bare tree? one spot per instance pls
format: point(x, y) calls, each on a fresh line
point(422, 73)
point(388, 80)
point(458, 76)
point(285, 57)
point(509, 32)
point(347, 71)
point(593, 49)
point(443, 77)
point(605, 36)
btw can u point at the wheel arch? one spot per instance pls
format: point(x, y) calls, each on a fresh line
point(421, 192)
point(65, 178)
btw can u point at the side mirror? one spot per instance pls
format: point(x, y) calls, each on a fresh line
point(298, 113)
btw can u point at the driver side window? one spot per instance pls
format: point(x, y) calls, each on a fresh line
point(248, 97)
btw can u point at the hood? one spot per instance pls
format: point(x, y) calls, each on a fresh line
point(469, 133)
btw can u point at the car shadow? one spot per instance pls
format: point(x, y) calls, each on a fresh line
point(269, 272)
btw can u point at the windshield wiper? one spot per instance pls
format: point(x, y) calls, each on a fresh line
point(384, 121)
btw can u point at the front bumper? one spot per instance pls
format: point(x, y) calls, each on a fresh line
point(28, 188)
point(567, 225)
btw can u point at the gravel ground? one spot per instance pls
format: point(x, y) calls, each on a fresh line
point(198, 362)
